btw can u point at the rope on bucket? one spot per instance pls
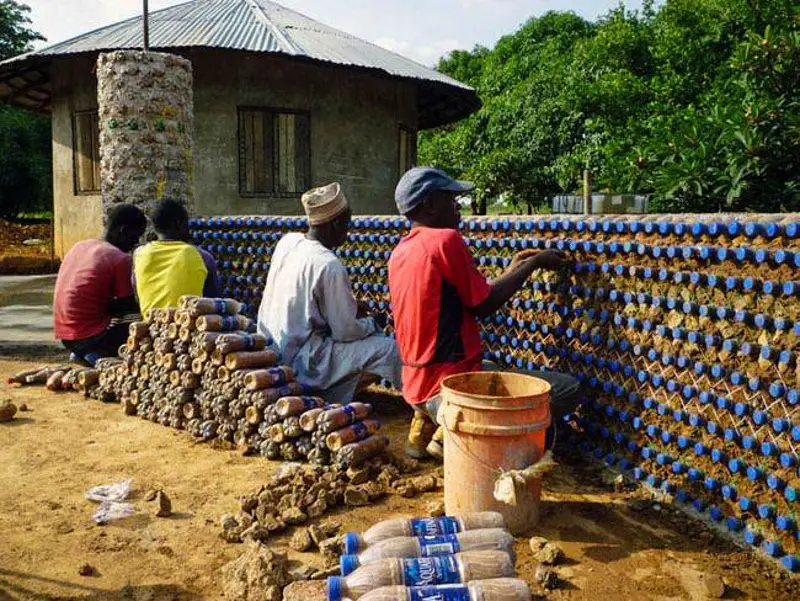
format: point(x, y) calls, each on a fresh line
point(505, 487)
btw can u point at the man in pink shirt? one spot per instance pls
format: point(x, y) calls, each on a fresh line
point(94, 285)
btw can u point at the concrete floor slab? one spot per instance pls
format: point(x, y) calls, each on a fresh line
point(26, 313)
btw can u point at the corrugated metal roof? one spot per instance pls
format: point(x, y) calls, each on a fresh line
point(263, 26)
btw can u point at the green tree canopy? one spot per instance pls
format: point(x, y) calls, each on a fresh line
point(25, 147)
point(694, 102)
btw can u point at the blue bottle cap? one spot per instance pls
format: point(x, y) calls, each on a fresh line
point(348, 564)
point(751, 537)
point(772, 548)
point(352, 543)
point(791, 563)
point(334, 588)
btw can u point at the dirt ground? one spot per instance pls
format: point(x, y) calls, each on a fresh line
point(617, 545)
point(19, 258)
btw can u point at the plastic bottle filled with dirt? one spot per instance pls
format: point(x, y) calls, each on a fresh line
point(420, 571)
point(499, 589)
point(415, 527)
point(490, 539)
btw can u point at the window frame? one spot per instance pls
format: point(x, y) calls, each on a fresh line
point(412, 134)
point(77, 191)
point(273, 113)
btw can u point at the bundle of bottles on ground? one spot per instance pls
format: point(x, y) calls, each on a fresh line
point(685, 335)
point(459, 558)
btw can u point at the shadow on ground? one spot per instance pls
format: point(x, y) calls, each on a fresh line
point(16, 586)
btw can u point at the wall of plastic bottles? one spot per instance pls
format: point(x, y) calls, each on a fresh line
point(684, 330)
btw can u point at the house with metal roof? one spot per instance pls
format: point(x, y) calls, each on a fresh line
point(281, 103)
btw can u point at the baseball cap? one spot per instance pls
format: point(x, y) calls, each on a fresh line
point(417, 183)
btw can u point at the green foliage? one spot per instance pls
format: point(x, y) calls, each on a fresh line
point(695, 102)
point(25, 146)
point(15, 35)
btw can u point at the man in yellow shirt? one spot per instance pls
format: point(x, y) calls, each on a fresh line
point(167, 268)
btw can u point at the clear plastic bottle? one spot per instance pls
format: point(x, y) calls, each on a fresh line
point(489, 539)
point(499, 589)
point(420, 571)
point(354, 542)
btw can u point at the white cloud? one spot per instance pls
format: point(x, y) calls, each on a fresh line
point(427, 54)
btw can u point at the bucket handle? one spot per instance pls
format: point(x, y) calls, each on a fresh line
point(454, 421)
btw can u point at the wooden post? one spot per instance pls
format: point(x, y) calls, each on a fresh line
point(587, 192)
point(145, 27)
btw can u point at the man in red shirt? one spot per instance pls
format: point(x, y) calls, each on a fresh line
point(94, 285)
point(438, 295)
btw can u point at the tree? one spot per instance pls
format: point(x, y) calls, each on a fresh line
point(16, 36)
point(25, 146)
point(694, 102)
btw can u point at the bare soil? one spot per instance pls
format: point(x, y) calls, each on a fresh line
point(17, 258)
point(617, 545)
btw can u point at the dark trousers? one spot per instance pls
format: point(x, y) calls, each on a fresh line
point(104, 344)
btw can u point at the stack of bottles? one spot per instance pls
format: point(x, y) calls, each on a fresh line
point(202, 368)
point(684, 332)
point(466, 558)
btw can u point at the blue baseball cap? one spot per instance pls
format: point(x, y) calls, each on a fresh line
point(417, 183)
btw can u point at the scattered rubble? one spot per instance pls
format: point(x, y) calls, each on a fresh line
point(546, 577)
point(714, 586)
point(296, 494)
point(302, 572)
point(23, 407)
point(150, 495)
point(87, 569)
point(301, 541)
point(7, 411)
point(164, 505)
point(436, 509)
point(309, 590)
point(258, 574)
point(331, 549)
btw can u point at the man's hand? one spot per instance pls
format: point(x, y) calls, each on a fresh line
point(538, 259)
point(380, 320)
point(521, 258)
point(363, 310)
point(549, 259)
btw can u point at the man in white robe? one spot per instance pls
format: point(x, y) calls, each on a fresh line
point(308, 307)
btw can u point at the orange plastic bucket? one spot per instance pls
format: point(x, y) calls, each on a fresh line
point(493, 421)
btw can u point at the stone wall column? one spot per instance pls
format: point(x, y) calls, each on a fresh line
point(146, 123)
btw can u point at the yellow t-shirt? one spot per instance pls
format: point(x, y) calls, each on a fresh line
point(165, 271)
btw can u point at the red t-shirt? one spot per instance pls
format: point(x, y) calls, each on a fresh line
point(92, 274)
point(433, 283)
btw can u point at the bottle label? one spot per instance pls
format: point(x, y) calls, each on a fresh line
point(249, 342)
point(434, 526)
point(446, 544)
point(219, 305)
point(229, 322)
point(350, 412)
point(426, 571)
point(451, 592)
point(309, 402)
point(359, 430)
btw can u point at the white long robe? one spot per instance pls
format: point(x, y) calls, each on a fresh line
point(308, 308)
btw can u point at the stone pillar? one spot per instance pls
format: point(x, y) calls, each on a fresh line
point(146, 123)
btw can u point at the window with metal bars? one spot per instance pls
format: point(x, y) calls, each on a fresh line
point(86, 152)
point(407, 150)
point(274, 152)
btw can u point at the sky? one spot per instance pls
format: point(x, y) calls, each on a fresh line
point(422, 30)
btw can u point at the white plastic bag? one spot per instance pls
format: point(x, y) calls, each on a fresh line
point(110, 497)
point(111, 510)
point(110, 492)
